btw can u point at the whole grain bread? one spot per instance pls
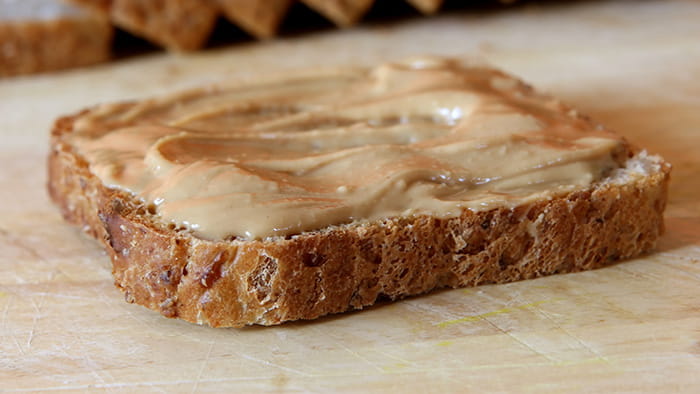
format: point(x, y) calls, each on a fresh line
point(351, 266)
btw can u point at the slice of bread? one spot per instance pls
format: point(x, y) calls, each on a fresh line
point(343, 13)
point(261, 18)
point(47, 35)
point(235, 281)
point(426, 6)
point(178, 25)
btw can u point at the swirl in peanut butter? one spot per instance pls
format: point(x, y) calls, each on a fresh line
point(280, 157)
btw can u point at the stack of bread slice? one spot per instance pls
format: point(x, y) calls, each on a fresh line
point(183, 25)
point(44, 35)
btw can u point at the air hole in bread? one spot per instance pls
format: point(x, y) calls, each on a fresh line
point(476, 244)
point(368, 252)
point(212, 272)
point(641, 238)
point(449, 245)
point(166, 276)
point(313, 259)
point(260, 279)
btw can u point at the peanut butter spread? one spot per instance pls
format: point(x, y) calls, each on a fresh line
point(277, 157)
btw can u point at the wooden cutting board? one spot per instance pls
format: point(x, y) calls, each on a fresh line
point(632, 327)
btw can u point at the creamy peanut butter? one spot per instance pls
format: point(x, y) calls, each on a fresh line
point(279, 157)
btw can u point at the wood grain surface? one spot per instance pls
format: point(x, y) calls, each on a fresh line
point(632, 327)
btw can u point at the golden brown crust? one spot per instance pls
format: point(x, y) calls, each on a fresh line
point(178, 25)
point(234, 283)
point(427, 7)
point(45, 45)
point(261, 18)
point(343, 13)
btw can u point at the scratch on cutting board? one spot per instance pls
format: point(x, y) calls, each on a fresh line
point(521, 341)
point(270, 364)
point(403, 368)
point(492, 313)
point(392, 356)
point(358, 356)
point(201, 369)
point(592, 360)
point(341, 344)
point(55, 295)
point(402, 363)
point(394, 368)
point(35, 318)
point(5, 311)
point(30, 338)
point(4, 331)
point(575, 338)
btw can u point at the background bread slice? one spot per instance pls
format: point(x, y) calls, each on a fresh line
point(78, 32)
point(343, 13)
point(175, 24)
point(260, 18)
point(46, 35)
point(426, 6)
point(234, 283)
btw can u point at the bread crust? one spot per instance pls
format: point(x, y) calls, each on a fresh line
point(235, 283)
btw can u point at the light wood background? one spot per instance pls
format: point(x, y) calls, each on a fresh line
point(632, 327)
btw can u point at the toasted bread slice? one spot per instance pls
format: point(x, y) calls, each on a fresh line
point(46, 35)
point(181, 270)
